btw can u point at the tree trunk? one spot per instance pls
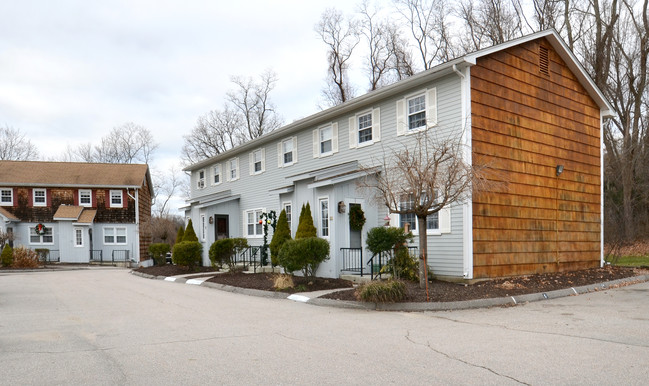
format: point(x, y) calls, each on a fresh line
point(423, 248)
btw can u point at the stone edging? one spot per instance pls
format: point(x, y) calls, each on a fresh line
point(415, 306)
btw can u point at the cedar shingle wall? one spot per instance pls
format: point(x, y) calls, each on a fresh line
point(144, 198)
point(524, 124)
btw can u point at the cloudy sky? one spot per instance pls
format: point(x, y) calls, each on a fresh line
point(71, 70)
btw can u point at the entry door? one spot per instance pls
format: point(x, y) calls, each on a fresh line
point(354, 236)
point(221, 230)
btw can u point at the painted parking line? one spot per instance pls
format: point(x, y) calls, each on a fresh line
point(299, 298)
point(195, 281)
point(170, 278)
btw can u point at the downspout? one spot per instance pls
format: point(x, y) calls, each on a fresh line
point(137, 223)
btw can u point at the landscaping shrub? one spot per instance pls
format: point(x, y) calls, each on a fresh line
point(187, 253)
point(7, 256)
point(402, 265)
point(382, 291)
point(281, 282)
point(305, 227)
point(159, 252)
point(392, 241)
point(280, 236)
point(25, 258)
point(304, 254)
point(180, 234)
point(221, 252)
point(190, 235)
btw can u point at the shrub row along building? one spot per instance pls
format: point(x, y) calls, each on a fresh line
point(526, 107)
point(78, 212)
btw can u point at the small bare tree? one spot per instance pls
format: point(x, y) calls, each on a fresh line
point(14, 146)
point(423, 177)
point(214, 133)
point(165, 187)
point(341, 39)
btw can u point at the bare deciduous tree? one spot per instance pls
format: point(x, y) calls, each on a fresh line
point(489, 22)
point(14, 146)
point(377, 37)
point(428, 175)
point(341, 38)
point(214, 133)
point(165, 187)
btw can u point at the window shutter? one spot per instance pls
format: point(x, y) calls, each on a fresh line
point(334, 137)
point(48, 197)
point(295, 149)
point(431, 107)
point(394, 219)
point(353, 133)
point(245, 223)
point(280, 155)
point(107, 198)
point(445, 220)
point(376, 125)
point(93, 199)
point(401, 117)
point(263, 159)
point(251, 163)
point(30, 199)
point(316, 143)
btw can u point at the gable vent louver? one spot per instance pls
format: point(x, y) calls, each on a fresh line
point(544, 60)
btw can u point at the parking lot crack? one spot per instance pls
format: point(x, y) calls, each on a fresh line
point(451, 357)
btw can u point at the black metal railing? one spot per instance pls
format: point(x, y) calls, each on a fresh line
point(381, 259)
point(119, 255)
point(97, 255)
point(49, 255)
point(248, 257)
point(352, 260)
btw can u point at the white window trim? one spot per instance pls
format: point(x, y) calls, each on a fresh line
point(280, 152)
point(41, 242)
point(284, 205)
point(34, 203)
point(229, 174)
point(251, 161)
point(200, 182)
point(115, 236)
point(216, 168)
point(11, 191)
point(89, 191)
point(74, 234)
point(110, 197)
point(245, 223)
point(334, 140)
point(430, 95)
point(354, 128)
point(329, 222)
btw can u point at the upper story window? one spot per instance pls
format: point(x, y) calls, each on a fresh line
point(85, 197)
point(116, 200)
point(216, 174)
point(257, 162)
point(6, 196)
point(39, 197)
point(233, 169)
point(325, 140)
point(287, 152)
point(364, 128)
point(200, 184)
point(417, 112)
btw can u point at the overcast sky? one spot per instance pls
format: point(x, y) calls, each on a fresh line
point(71, 70)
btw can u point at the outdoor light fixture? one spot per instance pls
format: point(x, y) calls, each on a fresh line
point(559, 170)
point(387, 220)
point(341, 207)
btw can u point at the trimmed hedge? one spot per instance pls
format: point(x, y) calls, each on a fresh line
point(221, 252)
point(303, 254)
point(159, 252)
point(187, 253)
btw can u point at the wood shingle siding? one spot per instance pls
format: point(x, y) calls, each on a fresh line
point(524, 124)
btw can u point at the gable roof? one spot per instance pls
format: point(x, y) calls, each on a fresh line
point(416, 80)
point(6, 214)
point(74, 174)
point(74, 212)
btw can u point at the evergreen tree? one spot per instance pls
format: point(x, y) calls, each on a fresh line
point(7, 256)
point(305, 228)
point(280, 236)
point(180, 234)
point(190, 235)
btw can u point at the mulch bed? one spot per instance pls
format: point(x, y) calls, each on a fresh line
point(439, 291)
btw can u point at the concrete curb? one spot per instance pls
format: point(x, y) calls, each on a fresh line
point(415, 306)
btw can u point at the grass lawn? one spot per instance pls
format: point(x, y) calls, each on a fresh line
point(630, 261)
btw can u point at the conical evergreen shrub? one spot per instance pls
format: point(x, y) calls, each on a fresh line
point(7, 256)
point(280, 236)
point(305, 228)
point(180, 234)
point(190, 235)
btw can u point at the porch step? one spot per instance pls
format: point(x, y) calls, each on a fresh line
point(356, 279)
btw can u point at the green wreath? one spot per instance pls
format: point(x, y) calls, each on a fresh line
point(356, 218)
point(40, 229)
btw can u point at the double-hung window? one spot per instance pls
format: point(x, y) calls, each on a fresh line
point(40, 197)
point(115, 235)
point(364, 128)
point(325, 140)
point(200, 184)
point(417, 112)
point(288, 209)
point(254, 227)
point(233, 169)
point(324, 217)
point(216, 176)
point(257, 162)
point(44, 237)
point(6, 197)
point(432, 220)
point(85, 197)
point(78, 237)
point(287, 152)
point(116, 200)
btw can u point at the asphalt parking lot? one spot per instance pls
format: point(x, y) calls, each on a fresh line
point(107, 326)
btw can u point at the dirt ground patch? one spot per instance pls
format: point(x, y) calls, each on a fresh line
point(439, 291)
